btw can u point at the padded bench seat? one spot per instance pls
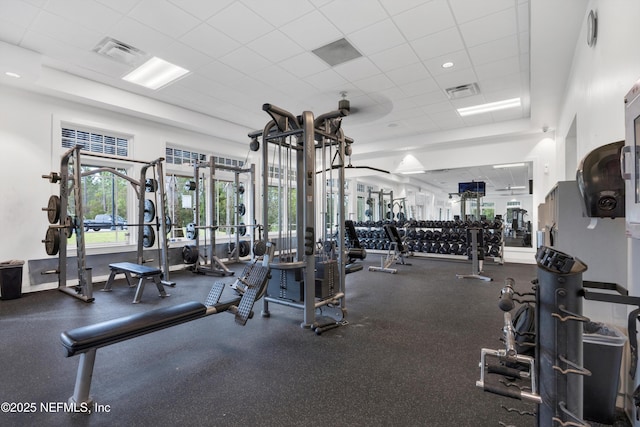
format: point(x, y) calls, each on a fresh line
point(89, 337)
point(142, 271)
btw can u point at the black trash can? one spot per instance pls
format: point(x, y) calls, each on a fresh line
point(11, 279)
point(603, 346)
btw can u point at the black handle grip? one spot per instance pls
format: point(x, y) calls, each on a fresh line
point(506, 295)
point(503, 370)
point(503, 391)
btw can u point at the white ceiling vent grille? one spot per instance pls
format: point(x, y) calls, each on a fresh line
point(120, 52)
point(463, 91)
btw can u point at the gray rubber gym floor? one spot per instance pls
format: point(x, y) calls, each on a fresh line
point(408, 356)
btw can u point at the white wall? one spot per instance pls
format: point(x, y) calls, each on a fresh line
point(29, 123)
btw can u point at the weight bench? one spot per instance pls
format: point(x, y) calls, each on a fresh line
point(86, 340)
point(396, 250)
point(143, 272)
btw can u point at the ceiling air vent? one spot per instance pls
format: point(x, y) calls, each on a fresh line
point(338, 52)
point(463, 91)
point(120, 52)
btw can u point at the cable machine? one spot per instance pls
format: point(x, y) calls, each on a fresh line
point(65, 224)
point(308, 274)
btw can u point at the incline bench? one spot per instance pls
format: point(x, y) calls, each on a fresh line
point(143, 272)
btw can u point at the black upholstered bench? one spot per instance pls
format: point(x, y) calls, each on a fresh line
point(143, 273)
point(87, 339)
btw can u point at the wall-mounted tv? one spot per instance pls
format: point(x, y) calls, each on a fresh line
point(472, 187)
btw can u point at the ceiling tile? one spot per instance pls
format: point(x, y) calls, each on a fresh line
point(499, 68)
point(426, 19)
point(10, 32)
point(394, 7)
point(246, 60)
point(240, 23)
point(460, 61)
point(456, 78)
point(357, 69)
point(65, 31)
point(419, 87)
point(183, 55)
point(275, 46)
point(221, 73)
point(18, 13)
point(393, 58)
point(86, 13)
point(494, 50)
point(375, 83)
point(140, 36)
point(202, 10)
point(430, 98)
point(409, 73)
point(350, 16)
point(209, 41)
point(164, 17)
point(502, 82)
point(377, 37)
point(122, 6)
point(489, 28)
point(304, 64)
point(523, 17)
point(326, 79)
point(437, 107)
point(299, 30)
point(465, 10)
point(281, 13)
point(438, 44)
point(274, 76)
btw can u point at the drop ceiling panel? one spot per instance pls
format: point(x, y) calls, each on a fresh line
point(377, 37)
point(210, 41)
point(18, 13)
point(201, 9)
point(460, 60)
point(503, 67)
point(276, 46)
point(87, 13)
point(495, 50)
point(240, 23)
point(280, 13)
point(10, 32)
point(394, 7)
point(357, 69)
point(456, 78)
point(298, 30)
point(438, 44)
point(396, 57)
point(465, 10)
point(122, 6)
point(326, 79)
point(304, 64)
point(164, 17)
point(138, 35)
point(428, 18)
point(489, 28)
point(353, 15)
point(65, 31)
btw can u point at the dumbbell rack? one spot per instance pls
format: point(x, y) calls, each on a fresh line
point(437, 239)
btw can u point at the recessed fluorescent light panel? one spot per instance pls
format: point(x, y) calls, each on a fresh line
point(492, 106)
point(155, 73)
point(508, 165)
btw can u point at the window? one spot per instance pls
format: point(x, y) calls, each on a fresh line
point(95, 141)
point(178, 156)
point(104, 194)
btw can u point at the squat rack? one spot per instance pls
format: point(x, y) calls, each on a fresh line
point(217, 266)
point(70, 179)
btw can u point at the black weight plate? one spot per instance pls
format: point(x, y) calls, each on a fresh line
point(148, 236)
point(190, 254)
point(52, 241)
point(149, 210)
point(53, 209)
point(244, 248)
point(242, 230)
point(259, 248)
point(168, 224)
point(242, 209)
point(189, 186)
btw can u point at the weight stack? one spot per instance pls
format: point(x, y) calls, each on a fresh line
point(559, 338)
